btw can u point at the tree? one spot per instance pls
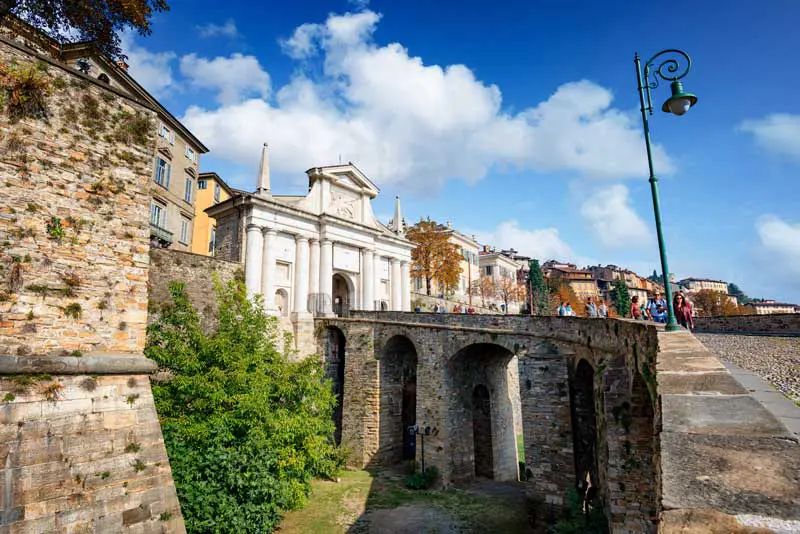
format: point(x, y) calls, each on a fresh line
point(435, 257)
point(740, 295)
point(245, 428)
point(540, 296)
point(560, 291)
point(709, 303)
point(98, 21)
point(509, 290)
point(486, 288)
point(621, 297)
point(655, 276)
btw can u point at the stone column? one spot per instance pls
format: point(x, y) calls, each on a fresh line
point(326, 277)
point(376, 279)
point(405, 285)
point(268, 269)
point(397, 288)
point(252, 259)
point(313, 277)
point(367, 295)
point(300, 275)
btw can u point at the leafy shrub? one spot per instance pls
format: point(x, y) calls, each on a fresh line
point(246, 430)
point(423, 481)
point(23, 91)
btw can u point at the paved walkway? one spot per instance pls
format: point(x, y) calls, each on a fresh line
point(775, 402)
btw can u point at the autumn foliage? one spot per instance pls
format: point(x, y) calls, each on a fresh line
point(561, 292)
point(435, 258)
point(709, 303)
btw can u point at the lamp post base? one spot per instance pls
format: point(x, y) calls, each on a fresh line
point(673, 327)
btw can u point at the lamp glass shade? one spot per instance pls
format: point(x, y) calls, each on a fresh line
point(680, 102)
point(679, 106)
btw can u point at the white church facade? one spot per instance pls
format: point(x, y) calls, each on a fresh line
point(321, 254)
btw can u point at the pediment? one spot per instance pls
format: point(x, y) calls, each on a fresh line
point(166, 152)
point(345, 176)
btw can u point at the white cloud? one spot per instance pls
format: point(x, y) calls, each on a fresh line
point(780, 247)
point(613, 220)
point(778, 133)
point(153, 70)
point(540, 243)
point(359, 5)
point(404, 121)
point(228, 29)
point(235, 77)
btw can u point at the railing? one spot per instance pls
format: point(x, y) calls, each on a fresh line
point(162, 234)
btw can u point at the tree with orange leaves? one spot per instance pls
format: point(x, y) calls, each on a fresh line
point(434, 257)
point(509, 290)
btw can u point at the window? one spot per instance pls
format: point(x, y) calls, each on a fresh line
point(162, 173)
point(190, 154)
point(488, 270)
point(212, 243)
point(217, 191)
point(166, 133)
point(202, 184)
point(184, 230)
point(104, 78)
point(187, 191)
point(158, 214)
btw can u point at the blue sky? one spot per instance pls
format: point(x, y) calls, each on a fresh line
point(517, 121)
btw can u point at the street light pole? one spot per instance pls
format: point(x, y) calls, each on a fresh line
point(677, 104)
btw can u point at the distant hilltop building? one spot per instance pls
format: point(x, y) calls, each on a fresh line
point(770, 307)
point(700, 284)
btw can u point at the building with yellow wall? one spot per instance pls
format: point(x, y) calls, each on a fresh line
point(211, 190)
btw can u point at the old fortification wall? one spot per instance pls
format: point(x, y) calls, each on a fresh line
point(79, 437)
point(782, 324)
point(197, 272)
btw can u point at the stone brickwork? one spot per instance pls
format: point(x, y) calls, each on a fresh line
point(197, 272)
point(80, 443)
point(781, 324)
point(591, 407)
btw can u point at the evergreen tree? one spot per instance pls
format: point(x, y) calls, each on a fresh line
point(655, 276)
point(622, 299)
point(539, 290)
point(740, 295)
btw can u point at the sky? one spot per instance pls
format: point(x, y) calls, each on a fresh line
point(516, 121)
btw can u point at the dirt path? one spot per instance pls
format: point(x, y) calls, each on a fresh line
point(379, 503)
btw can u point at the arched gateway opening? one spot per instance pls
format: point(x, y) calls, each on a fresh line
point(334, 369)
point(584, 428)
point(480, 439)
point(398, 401)
point(342, 292)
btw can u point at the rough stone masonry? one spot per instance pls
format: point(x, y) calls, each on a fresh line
point(80, 443)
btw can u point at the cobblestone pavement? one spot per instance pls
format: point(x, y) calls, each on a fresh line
point(775, 359)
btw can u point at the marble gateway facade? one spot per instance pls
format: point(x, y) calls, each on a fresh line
point(321, 254)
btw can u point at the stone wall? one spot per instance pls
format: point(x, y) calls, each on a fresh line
point(783, 324)
point(80, 442)
point(194, 270)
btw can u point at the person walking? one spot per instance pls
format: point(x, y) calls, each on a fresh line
point(636, 311)
point(602, 310)
point(683, 311)
point(658, 309)
point(569, 311)
point(562, 310)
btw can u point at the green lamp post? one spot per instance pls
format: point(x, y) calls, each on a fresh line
point(679, 103)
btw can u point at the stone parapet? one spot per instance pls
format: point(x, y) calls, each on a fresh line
point(780, 324)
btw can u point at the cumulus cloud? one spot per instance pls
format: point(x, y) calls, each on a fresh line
point(228, 29)
point(541, 243)
point(778, 133)
point(780, 247)
point(613, 220)
point(153, 70)
point(404, 121)
point(234, 78)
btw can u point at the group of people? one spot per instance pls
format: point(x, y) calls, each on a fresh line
point(656, 309)
point(441, 308)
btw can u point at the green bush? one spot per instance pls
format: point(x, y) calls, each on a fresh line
point(423, 481)
point(578, 521)
point(246, 430)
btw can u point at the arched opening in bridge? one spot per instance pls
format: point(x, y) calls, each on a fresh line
point(398, 401)
point(482, 431)
point(584, 429)
point(341, 295)
point(481, 390)
point(334, 369)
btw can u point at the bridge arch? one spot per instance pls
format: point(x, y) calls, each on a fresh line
point(480, 434)
point(334, 356)
point(583, 414)
point(398, 361)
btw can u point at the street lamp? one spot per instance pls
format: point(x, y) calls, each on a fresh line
point(679, 103)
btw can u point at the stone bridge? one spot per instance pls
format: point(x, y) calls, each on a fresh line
point(592, 413)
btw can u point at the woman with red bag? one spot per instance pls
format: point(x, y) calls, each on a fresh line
point(683, 311)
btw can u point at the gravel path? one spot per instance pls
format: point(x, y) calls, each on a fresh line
point(775, 359)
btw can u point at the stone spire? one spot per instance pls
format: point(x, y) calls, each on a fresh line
point(398, 217)
point(263, 173)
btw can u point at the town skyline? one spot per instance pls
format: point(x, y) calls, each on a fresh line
point(304, 88)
